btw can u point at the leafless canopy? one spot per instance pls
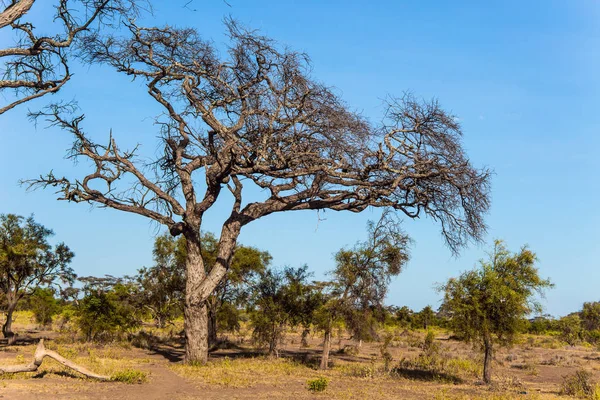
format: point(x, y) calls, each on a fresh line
point(255, 116)
point(37, 64)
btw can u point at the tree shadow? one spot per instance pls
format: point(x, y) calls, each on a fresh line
point(64, 374)
point(426, 375)
point(20, 341)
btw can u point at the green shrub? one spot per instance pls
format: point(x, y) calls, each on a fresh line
point(593, 337)
point(317, 385)
point(130, 376)
point(104, 315)
point(43, 305)
point(570, 329)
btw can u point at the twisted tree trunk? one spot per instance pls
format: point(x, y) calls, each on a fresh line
point(195, 310)
point(40, 353)
point(200, 285)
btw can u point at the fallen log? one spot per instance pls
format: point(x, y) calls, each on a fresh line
point(40, 353)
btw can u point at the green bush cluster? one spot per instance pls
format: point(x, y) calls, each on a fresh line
point(318, 385)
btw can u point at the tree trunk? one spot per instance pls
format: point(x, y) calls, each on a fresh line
point(273, 341)
point(199, 286)
point(303, 340)
point(212, 326)
point(7, 327)
point(487, 360)
point(326, 347)
point(195, 322)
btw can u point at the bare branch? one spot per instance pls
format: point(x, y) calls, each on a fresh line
point(37, 64)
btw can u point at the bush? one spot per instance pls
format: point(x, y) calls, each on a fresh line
point(318, 385)
point(43, 305)
point(579, 384)
point(104, 315)
point(593, 337)
point(130, 376)
point(570, 329)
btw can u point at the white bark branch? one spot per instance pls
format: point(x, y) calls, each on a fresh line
point(40, 353)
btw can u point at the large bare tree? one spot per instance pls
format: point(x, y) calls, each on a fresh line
point(254, 117)
point(37, 63)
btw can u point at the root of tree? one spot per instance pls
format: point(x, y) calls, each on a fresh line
point(40, 353)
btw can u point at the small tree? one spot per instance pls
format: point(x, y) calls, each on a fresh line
point(28, 261)
point(160, 288)
point(424, 318)
point(278, 300)
point(490, 303)
point(107, 309)
point(404, 316)
point(360, 280)
point(570, 329)
point(44, 305)
point(590, 316)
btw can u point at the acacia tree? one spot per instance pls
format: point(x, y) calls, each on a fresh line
point(38, 63)
point(279, 299)
point(251, 118)
point(160, 287)
point(361, 279)
point(490, 303)
point(28, 262)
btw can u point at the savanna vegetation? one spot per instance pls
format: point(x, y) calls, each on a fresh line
point(277, 331)
point(216, 318)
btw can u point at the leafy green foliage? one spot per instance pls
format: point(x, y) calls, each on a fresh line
point(318, 385)
point(424, 318)
point(28, 261)
point(161, 288)
point(106, 311)
point(44, 305)
point(279, 298)
point(361, 278)
point(570, 329)
point(490, 303)
point(131, 376)
point(590, 316)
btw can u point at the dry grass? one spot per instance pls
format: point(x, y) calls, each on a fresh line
point(533, 369)
point(111, 360)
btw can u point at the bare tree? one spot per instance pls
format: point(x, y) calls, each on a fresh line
point(255, 117)
point(38, 64)
point(360, 280)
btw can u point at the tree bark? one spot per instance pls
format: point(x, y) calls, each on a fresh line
point(195, 314)
point(326, 348)
point(212, 326)
point(14, 12)
point(305, 333)
point(40, 353)
point(200, 285)
point(487, 360)
point(273, 341)
point(7, 327)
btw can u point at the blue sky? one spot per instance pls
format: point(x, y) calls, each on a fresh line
point(521, 76)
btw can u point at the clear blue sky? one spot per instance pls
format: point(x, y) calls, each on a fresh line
point(521, 76)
